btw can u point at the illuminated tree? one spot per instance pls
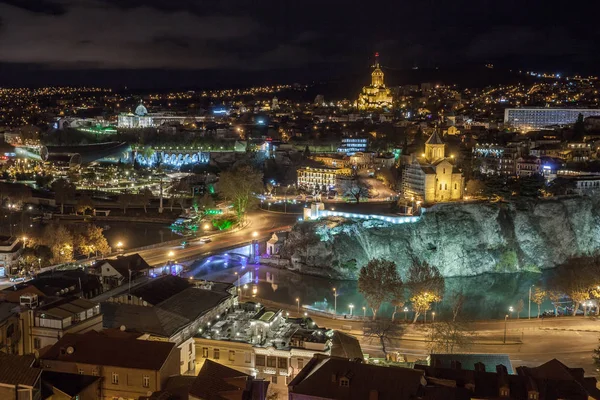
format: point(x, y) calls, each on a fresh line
point(576, 278)
point(60, 242)
point(84, 203)
point(538, 296)
point(426, 286)
point(241, 185)
point(554, 297)
point(93, 242)
point(378, 281)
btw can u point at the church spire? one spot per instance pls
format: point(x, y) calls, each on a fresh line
point(377, 74)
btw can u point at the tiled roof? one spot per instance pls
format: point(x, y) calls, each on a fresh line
point(99, 349)
point(345, 346)
point(18, 370)
point(321, 378)
point(214, 379)
point(468, 361)
point(161, 289)
point(435, 138)
point(123, 264)
point(153, 320)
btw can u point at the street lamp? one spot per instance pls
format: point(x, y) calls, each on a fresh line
point(511, 309)
point(39, 263)
point(335, 295)
point(433, 317)
point(405, 311)
point(254, 234)
point(298, 302)
point(351, 306)
point(529, 317)
point(505, 321)
point(206, 227)
point(364, 312)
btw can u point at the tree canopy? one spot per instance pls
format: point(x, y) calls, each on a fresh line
point(379, 282)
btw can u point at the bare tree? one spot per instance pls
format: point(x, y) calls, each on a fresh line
point(398, 302)
point(519, 308)
point(354, 187)
point(382, 330)
point(458, 301)
point(448, 336)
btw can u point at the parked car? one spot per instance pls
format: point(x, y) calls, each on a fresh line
point(205, 239)
point(17, 279)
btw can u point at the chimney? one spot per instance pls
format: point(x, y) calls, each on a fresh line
point(373, 394)
point(501, 370)
point(479, 367)
point(455, 365)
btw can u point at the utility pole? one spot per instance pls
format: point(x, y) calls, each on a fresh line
point(160, 207)
point(530, 301)
point(505, 321)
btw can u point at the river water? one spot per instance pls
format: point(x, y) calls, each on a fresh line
point(488, 296)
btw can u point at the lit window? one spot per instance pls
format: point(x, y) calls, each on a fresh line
point(231, 355)
point(216, 354)
point(146, 381)
point(115, 378)
point(205, 352)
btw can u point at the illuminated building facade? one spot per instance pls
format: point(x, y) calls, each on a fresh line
point(321, 179)
point(351, 145)
point(139, 119)
point(431, 178)
point(375, 95)
point(528, 119)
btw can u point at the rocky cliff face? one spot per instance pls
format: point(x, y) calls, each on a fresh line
point(460, 239)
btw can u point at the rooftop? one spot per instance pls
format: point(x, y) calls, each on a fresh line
point(261, 327)
point(96, 348)
point(18, 370)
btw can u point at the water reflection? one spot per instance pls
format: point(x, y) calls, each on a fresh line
point(487, 296)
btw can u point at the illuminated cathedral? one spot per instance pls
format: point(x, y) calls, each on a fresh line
point(376, 95)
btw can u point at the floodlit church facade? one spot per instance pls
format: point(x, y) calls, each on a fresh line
point(376, 95)
point(432, 177)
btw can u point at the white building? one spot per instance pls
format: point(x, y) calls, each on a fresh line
point(10, 250)
point(527, 119)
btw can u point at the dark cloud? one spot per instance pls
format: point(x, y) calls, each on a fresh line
point(274, 34)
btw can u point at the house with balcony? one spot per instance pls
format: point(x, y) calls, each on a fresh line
point(10, 250)
point(44, 324)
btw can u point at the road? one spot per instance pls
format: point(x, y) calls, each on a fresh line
point(261, 225)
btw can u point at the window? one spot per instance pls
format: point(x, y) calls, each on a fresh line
point(300, 363)
point(282, 362)
point(248, 358)
point(205, 352)
point(115, 378)
point(271, 362)
point(216, 354)
point(444, 170)
point(146, 381)
point(445, 186)
point(80, 371)
point(260, 361)
point(37, 343)
point(190, 348)
point(440, 186)
point(455, 186)
point(94, 371)
point(344, 382)
point(231, 355)
point(274, 379)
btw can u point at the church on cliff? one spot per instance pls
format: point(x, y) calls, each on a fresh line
point(432, 177)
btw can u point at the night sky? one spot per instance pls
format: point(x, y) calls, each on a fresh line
point(239, 41)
